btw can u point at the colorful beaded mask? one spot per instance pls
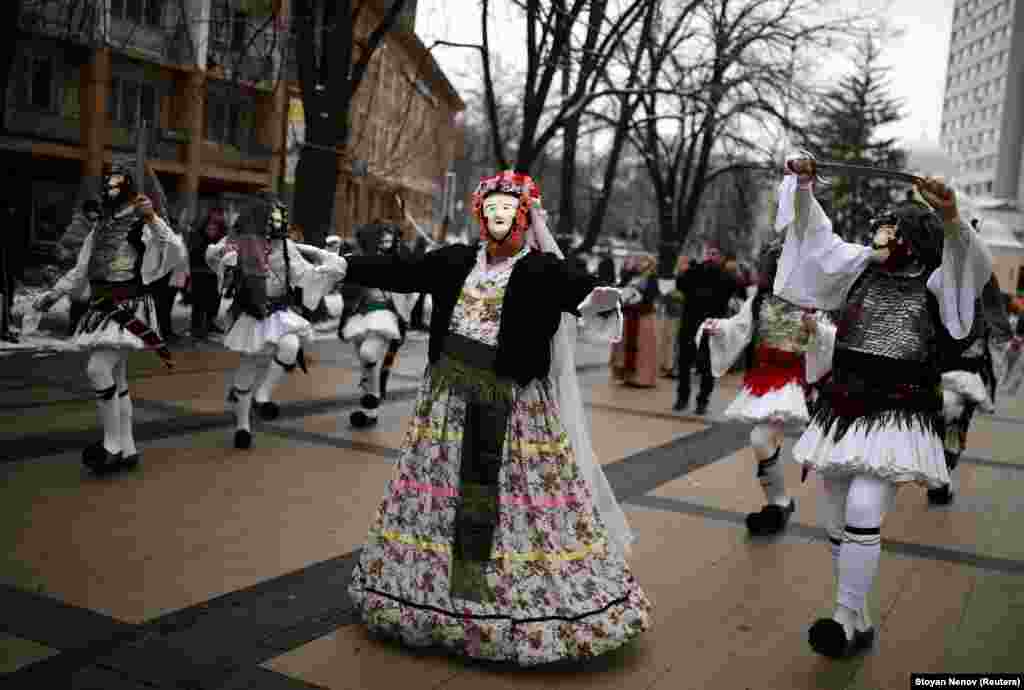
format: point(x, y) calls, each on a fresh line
point(507, 182)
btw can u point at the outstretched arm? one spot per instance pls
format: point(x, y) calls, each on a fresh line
point(315, 276)
point(966, 263)
point(727, 338)
point(165, 249)
point(74, 281)
point(403, 273)
point(817, 267)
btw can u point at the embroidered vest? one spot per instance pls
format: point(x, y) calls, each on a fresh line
point(780, 325)
point(117, 250)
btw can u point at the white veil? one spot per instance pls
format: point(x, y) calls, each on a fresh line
point(563, 373)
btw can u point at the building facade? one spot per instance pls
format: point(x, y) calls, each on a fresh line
point(91, 77)
point(405, 132)
point(207, 84)
point(982, 124)
point(982, 128)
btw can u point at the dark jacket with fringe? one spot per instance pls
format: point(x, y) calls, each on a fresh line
point(539, 290)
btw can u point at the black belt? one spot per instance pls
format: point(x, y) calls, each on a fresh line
point(467, 367)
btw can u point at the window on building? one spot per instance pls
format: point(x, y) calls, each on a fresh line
point(131, 102)
point(228, 122)
point(41, 83)
point(229, 28)
point(149, 12)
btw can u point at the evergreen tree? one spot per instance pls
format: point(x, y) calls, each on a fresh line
point(844, 127)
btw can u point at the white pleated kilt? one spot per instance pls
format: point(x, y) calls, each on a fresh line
point(382, 322)
point(786, 405)
point(252, 336)
point(98, 330)
point(896, 451)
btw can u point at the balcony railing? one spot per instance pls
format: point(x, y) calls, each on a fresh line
point(161, 144)
point(41, 125)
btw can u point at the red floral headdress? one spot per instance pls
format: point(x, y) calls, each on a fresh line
point(507, 182)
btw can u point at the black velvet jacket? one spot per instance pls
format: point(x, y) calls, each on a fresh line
point(540, 288)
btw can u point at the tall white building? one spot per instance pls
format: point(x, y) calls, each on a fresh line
point(982, 123)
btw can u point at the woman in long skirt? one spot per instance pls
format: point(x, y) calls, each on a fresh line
point(499, 537)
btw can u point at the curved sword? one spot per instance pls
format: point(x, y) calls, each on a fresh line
point(840, 168)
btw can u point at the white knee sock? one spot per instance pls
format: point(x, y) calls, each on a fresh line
point(834, 516)
point(101, 370)
point(275, 373)
point(127, 433)
point(866, 504)
point(769, 467)
point(110, 417)
point(243, 408)
point(241, 391)
point(280, 365)
point(126, 409)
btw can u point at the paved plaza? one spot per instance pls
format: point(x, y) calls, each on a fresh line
point(210, 567)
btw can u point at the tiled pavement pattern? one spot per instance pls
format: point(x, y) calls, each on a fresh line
point(215, 568)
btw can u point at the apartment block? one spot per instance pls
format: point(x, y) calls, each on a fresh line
point(982, 123)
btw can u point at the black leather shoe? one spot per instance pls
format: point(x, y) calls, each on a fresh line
point(101, 461)
point(942, 496)
point(680, 406)
point(361, 420)
point(243, 439)
point(828, 638)
point(129, 462)
point(268, 411)
point(770, 520)
point(702, 408)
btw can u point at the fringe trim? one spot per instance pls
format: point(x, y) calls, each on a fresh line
point(472, 383)
point(877, 411)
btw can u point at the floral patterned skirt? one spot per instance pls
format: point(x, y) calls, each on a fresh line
point(560, 589)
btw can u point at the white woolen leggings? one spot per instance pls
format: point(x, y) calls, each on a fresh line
point(104, 367)
point(372, 350)
point(855, 507)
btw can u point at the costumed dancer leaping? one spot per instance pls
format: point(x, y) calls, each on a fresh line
point(267, 271)
point(969, 380)
point(377, 325)
point(878, 422)
point(130, 248)
point(499, 536)
point(775, 334)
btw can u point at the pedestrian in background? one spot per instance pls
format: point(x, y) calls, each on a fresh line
point(668, 333)
point(205, 294)
point(635, 357)
point(707, 289)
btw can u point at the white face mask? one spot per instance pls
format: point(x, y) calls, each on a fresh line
point(114, 186)
point(500, 212)
point(884, 235)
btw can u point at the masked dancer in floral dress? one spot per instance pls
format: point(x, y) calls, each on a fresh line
point(878, 422)
point(499, 537)
point(130, 248)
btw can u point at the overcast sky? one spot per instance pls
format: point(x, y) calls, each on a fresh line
point(918, 60)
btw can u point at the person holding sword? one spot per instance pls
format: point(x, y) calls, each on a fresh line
point(130, 249)
point(878, 421)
